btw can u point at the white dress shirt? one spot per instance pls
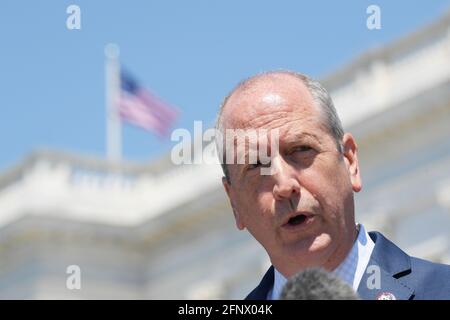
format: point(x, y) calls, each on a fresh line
point(350, 270)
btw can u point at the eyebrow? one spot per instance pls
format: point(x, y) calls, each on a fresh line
point(302, 135)
point(296, 137)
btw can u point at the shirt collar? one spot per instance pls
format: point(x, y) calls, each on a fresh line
point(350, 270)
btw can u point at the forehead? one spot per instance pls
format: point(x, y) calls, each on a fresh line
point(270, 102)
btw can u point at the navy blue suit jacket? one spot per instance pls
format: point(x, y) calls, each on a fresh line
point(402, 276)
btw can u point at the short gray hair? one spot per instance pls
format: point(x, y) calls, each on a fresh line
point(319, 94)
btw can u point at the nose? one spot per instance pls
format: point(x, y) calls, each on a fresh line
point(286, 185)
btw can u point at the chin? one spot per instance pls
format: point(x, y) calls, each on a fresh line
point(313, 252)
point(321, 243)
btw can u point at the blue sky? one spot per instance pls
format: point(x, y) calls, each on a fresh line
point(191, 53)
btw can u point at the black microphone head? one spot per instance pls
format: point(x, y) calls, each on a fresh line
point(317, 284)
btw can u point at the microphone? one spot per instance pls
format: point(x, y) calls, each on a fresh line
point(317, 284)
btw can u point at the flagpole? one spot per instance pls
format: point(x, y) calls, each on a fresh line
point(113, 122)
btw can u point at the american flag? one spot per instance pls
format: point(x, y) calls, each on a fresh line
point(142, 108)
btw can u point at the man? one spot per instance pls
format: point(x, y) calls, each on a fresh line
point(303, 213)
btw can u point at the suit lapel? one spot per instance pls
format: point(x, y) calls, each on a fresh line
point(387, 259)
point(266, 284)
point(389, 263)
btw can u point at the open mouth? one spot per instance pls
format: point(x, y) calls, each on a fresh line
point(297, 220)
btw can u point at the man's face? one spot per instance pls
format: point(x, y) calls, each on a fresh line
point(303, 214)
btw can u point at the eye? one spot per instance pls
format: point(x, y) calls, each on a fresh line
point(257, 165)
point(252, 166)
point(303, 148)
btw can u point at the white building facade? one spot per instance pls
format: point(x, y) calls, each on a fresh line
point(162, 231)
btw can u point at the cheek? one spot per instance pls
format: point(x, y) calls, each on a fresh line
point(259, 203)
point(326, 186)
point(247, 197)
point(257, 190)
point(255, 206)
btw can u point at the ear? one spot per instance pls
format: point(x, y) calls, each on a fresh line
point(351, 160)
point(230, 192)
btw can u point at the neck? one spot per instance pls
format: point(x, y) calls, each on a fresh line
point(341, 252)
point(331, 263)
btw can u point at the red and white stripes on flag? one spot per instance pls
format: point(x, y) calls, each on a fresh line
point(140, 107)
